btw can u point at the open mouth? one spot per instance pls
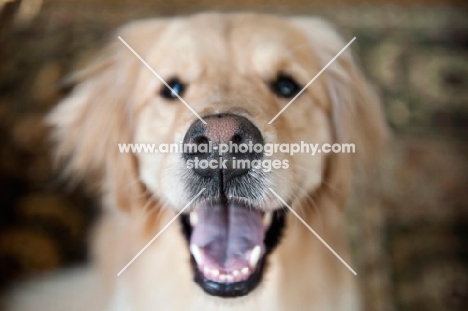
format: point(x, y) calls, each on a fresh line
point(229, 243)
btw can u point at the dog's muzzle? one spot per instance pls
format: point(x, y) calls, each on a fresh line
point(229, 237)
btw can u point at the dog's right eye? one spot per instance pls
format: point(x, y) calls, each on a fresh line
point(285, 86)
point(177, 87)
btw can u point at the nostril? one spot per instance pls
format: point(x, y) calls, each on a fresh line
point(236, 139)
point(201, 140)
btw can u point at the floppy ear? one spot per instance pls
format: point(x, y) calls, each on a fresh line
point(89, 123)
point(356, 112)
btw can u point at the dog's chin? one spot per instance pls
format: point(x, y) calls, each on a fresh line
point(229, 244)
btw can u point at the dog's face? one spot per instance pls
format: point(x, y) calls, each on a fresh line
point(237, 81)
point(224, 69)
point(237, 72)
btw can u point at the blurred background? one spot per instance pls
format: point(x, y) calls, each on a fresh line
point(409, 230)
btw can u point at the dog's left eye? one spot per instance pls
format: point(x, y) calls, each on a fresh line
point(285, 86)
point(177, 87)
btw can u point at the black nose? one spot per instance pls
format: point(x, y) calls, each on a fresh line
point(237, 133)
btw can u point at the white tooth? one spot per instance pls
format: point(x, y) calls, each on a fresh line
point(255, 256)
point(215, 272)
point(267, 217)
point(206, 270)
point(245, 270)
point(195, 250)
point(193, 218)
point(229, 278)
point(235, 272)
point(222, 277)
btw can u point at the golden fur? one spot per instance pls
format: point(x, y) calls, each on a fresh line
point(226, 59)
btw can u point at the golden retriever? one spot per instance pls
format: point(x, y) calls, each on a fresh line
point(237, 247)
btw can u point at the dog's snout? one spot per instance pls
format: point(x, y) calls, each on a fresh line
point(225, 139)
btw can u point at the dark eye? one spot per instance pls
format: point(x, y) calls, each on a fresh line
point(285, 86)
point(176, 86)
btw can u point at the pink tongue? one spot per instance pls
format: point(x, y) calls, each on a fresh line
point(226, 233)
